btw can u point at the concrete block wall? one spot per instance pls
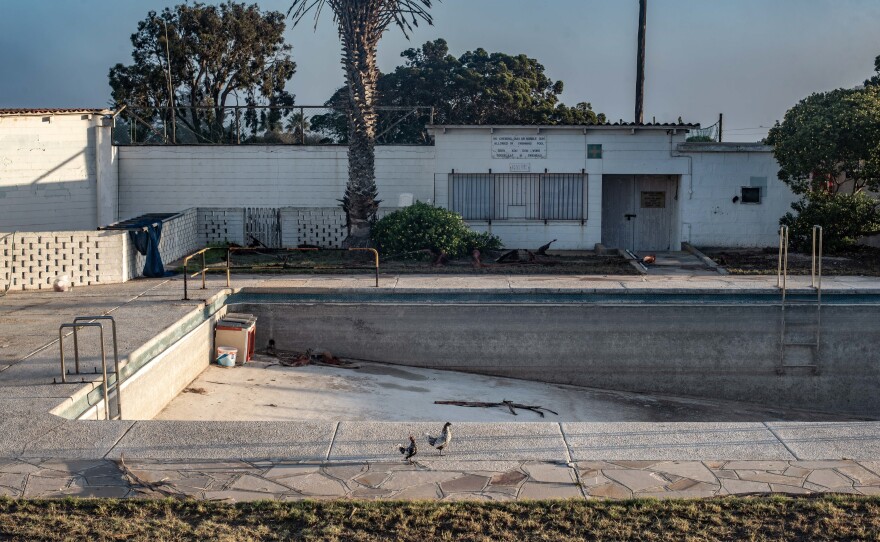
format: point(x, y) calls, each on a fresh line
point(34, 259)
point(48, 177)
point(323, 226)
point(180, 237)
point(167, 179)
point(221, 225)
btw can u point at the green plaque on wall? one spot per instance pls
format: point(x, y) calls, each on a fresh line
point(594, 152)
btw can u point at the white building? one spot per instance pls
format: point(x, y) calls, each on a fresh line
point(625, 186)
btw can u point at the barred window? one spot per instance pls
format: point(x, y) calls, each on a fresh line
point(518, 196)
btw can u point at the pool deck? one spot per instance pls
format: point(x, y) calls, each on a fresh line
point(44, 455)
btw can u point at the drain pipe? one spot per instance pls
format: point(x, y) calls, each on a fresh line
point(674, 154)
point(11, 266)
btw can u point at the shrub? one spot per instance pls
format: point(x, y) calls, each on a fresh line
point(403, 233)
point(844, 219)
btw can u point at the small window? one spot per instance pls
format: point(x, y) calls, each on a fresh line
point(751, 194)
point(594, 152)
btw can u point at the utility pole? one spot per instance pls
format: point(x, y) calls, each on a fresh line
point(720, 126)
point(170, 87)
point(640, 63)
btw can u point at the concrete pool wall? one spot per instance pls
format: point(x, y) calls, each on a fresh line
point(725, 351)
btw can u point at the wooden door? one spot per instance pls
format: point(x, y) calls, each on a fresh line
point(653, 206)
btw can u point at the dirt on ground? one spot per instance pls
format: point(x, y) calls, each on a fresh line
point(860, 260)
point(343, 262)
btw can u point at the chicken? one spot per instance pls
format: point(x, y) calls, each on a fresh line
point(542, 250)
point(409, 451)
point(443, 439)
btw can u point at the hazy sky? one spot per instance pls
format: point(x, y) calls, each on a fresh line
point(750, 59)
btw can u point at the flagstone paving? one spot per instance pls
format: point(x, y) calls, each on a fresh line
point(239, 481)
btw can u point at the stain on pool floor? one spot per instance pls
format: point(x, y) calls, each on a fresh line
point(263, 390)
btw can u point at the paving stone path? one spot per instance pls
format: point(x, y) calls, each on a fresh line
point(239, 481)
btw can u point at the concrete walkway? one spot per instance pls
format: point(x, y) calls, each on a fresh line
point(47, 455)
point(242, 481)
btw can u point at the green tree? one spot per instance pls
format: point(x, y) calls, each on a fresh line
point(228, 54)
point(476, 88)
point(830, 141)
point(874, 81)
point(361, 24)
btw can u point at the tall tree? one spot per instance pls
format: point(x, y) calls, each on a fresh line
point(361, 24)
point(475, 88)
point(228, 54)
point(875, 80)
point(830, 141)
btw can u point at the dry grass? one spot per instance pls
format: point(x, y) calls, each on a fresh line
point(754, 518)
point(341, 262)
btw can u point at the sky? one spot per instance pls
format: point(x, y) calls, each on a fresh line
point(748, 59)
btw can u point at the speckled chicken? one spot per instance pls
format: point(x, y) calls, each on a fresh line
point(409, 451)
point(443, 440)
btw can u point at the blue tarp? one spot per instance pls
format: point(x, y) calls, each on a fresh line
point(146, 241)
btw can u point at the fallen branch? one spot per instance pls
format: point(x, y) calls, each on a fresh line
point(511, 406)
point(141, 485)
point(301, 359)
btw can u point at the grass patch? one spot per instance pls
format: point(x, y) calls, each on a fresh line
point(728, 518)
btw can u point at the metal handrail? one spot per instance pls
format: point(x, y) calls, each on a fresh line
point(103, 357)
point(115, 358)
point(203, 271)
point(816, 267)
point(230, 250)
point(782, 264)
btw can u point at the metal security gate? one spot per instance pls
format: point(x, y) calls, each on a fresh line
point(518, 196)
point(264, 225)
point(637, 212)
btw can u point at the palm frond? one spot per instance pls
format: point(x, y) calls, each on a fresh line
point(406, 14)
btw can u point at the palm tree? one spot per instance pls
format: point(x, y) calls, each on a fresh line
point(361, 24)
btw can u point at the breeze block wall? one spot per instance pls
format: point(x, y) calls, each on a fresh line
point(32, 260)
point(220, 225)
point(180, 237)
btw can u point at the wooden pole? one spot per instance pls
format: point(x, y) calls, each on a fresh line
point(640, 62)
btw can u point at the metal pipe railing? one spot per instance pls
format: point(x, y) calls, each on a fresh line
point(782, 264)
point(103, 357)
point(115, 358)
point(230, 250)
point(202, 271)
point(816, 266)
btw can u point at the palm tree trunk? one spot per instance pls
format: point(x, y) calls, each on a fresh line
point(360, 201)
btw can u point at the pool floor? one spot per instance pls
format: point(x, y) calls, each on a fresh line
point(265, 391)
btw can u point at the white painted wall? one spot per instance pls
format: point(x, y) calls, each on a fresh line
point(47, 172)
point(469, 150)
point(168, 179)
point(709, 217)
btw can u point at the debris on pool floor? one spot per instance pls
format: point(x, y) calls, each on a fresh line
point(262, 390)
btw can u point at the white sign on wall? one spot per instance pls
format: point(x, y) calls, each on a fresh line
point(520, 167)
point(519, 147)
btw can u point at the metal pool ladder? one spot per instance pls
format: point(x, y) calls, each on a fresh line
point(90, 321)
point(800, 330)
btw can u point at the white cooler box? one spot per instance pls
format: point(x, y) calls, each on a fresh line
point(236, 331)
